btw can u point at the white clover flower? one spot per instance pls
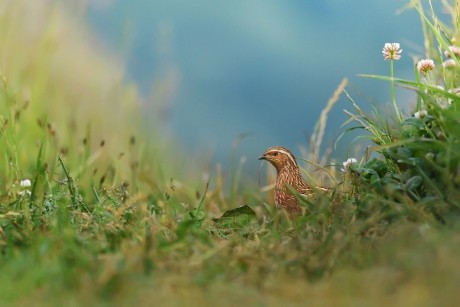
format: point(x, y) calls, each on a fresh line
point(347, 164)
point(26, 192)
point(449, 64)
point(25, 183)
point(391, 51)
point(425, 66)
point(420, 114)
point(454, 50)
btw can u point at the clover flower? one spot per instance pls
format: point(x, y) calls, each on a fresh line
point(391, 51)
point(25, 192)
point(453, 50)
point(449, 64)
point(425, 66)
point(347, 165)
point(420, 114)
point(25, 183)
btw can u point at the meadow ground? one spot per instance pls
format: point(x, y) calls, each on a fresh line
point(90, 212)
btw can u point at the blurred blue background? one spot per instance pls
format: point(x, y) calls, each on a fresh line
point(213, 70)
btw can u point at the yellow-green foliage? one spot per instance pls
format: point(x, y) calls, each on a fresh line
point(62, 95)
point(100, 224)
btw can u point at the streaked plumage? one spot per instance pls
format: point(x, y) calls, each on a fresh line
point(288, 174)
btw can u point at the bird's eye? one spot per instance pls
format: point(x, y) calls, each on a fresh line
point(275, 153)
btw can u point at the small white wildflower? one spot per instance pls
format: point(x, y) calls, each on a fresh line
point(26, 192)
point(25, 183)
point(449, 64)
point(391, 51)
point(425, 66)
point(454, 50)
point(347, 164)
point(420, 114)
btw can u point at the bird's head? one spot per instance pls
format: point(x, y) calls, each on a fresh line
point(279, 157)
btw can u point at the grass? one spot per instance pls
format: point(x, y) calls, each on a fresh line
point(103, 223)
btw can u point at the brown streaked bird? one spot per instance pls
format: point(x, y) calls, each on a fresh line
point(288, 174)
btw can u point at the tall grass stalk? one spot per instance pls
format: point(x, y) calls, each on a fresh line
point(393, 94)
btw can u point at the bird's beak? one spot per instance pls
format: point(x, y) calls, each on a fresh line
point(262, 157)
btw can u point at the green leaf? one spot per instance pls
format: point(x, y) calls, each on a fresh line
point(413, 182)
point(375, 166)
point(236, 218)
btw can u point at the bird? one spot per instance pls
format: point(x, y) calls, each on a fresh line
point(288, 175)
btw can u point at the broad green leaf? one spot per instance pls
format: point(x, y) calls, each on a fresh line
point(236, 218)
point(413, 182)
